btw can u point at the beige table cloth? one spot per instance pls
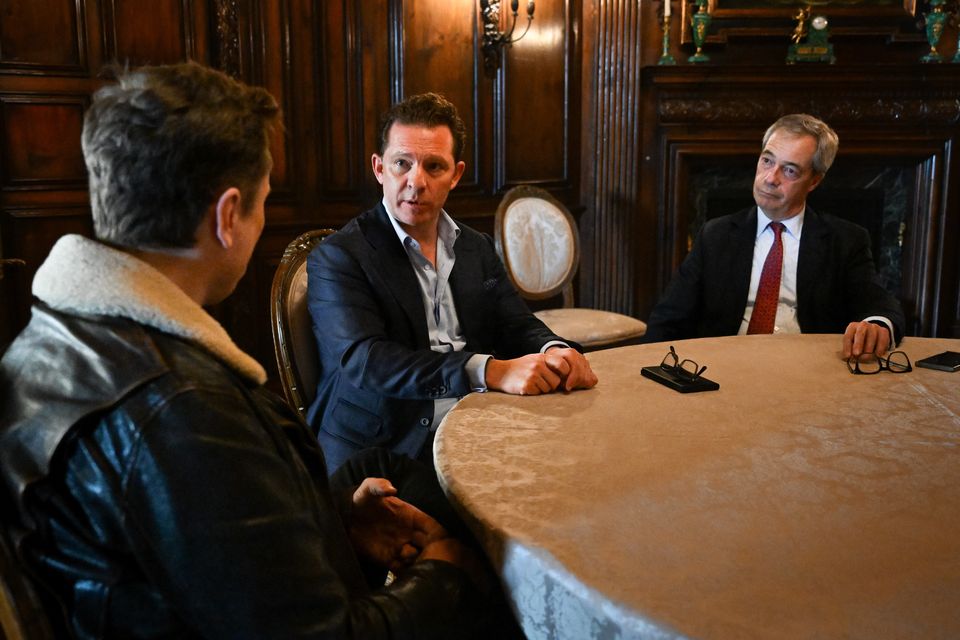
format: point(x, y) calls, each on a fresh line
point(797, 501)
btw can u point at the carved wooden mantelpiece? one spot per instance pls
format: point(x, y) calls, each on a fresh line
point(892, 120)
point(866, 107)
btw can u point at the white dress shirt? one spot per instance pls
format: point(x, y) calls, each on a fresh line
point(443, 324)
point(786, 319)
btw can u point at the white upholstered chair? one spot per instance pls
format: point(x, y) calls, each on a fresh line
point(540, 246)
point(293, 342)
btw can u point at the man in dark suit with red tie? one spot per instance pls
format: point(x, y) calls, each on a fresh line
point(780, 267)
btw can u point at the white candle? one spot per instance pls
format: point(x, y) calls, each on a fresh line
point(666, 8)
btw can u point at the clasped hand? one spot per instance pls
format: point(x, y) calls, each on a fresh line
point(395, 534)
point(558, 368)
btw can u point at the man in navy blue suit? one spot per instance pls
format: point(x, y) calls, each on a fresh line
point(827, 279)
point(412, 310)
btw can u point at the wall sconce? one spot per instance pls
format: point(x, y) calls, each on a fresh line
point(493, 39)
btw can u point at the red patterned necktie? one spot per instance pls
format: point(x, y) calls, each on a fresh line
point(768, 293)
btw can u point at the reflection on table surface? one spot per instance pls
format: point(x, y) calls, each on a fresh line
point(798, 500)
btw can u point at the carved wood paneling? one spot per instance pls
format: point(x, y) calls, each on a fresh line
point(227, 21)
point(439, 44)
point(41, 141)
point(62, 50)
point(612, 151)
point(268, 62)
point(536, 119)
point(341, 98)
point(27, 233)
point(865, 106)
point(156, 32)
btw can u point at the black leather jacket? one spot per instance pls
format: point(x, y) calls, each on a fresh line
point(160, 495)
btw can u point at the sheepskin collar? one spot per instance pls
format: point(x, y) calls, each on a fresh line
point(87, 277)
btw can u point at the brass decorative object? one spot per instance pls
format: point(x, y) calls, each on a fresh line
point(493, 39)
point(700, 22)
point(810, 44)
point(665, 56)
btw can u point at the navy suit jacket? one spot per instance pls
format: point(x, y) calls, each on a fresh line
point(379, 377)
point(836, 280)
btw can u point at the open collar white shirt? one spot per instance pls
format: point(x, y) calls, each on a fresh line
point(443, 324)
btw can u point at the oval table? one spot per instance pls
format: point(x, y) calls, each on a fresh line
point(797, 501)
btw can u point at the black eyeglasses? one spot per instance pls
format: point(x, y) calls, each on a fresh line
point(868, 363)
point(685, 369)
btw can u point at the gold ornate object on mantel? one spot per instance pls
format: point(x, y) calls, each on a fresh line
point(810, 44)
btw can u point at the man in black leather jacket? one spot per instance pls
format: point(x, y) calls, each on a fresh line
point(159, 490)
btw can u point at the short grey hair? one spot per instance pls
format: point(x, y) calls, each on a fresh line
point(162, 143)
point(801, 124)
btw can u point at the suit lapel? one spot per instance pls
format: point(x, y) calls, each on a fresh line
point(464, 277)
point(394, 268)
point(743, 237)
point(810, 257)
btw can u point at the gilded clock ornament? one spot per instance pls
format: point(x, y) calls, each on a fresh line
point(810, 43)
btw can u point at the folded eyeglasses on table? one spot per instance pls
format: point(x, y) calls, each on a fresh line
point(683, 375)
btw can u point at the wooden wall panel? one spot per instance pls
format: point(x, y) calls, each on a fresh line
point(41, 137)
point(610, 265)
point(438, 55)
point(534, 116)
point(380, 60)
point(28, 233)
point(270, 67)
point(62, 46)
point(340, 94)
point(155, 32)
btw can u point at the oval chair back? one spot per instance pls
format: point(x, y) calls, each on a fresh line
point(539, 243)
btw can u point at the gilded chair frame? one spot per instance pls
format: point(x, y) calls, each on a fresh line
point(294, 259)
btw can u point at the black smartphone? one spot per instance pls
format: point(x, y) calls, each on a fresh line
point(946, 361)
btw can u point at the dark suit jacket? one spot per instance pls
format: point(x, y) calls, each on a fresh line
point(836, 280)
point(378, 377)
